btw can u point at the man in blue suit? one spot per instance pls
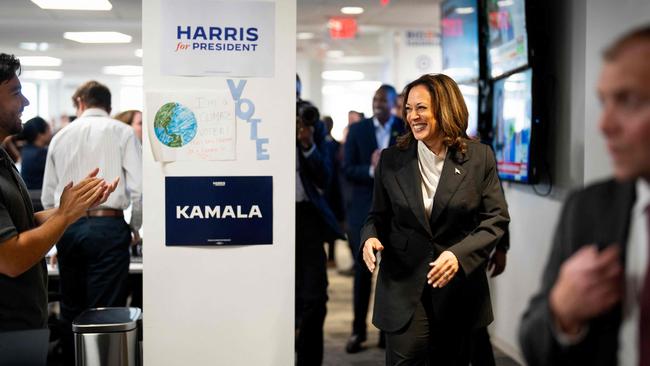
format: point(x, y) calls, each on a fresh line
point(315, 224)
point(364, 143)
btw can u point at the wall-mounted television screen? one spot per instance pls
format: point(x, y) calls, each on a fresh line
point(460, 39)
point(470, 93)
point(507, 36)
point(512, 126)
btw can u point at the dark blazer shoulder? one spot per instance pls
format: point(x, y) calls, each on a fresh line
point(364, 124)
point(476, 151)
point(398, 155)
point(600, 200)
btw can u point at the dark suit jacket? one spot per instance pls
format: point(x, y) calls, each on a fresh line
point(359, 146)
point(316, 174)
point(334, 194)
point(599, 214)
point(469, 216)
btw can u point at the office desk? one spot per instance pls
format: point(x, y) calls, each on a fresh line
point(135, 267)
point(134, 286)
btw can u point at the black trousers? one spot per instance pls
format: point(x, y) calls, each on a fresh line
point(311, 285)
point(428, 341)
point(93, 259)
point(362, 285)
point(482, 352)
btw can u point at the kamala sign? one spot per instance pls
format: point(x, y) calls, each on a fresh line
point(218, 38)
point(218, 210)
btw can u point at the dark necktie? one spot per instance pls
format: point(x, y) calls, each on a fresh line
point(644, 325)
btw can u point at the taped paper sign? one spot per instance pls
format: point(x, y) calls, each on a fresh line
point(191, 125)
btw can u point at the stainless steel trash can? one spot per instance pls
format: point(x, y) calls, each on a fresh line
point(107, 337)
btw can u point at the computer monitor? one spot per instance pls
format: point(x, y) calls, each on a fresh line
point(512, 126)
point(459, 40)
point(507, 36)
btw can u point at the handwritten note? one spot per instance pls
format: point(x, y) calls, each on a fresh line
point(191, 125)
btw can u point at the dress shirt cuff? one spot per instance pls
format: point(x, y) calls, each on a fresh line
point(136, 215)
point(568, 340)
point(371, 171)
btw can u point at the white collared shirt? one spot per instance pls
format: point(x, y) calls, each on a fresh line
point(636, 262)
point(430, 166)
point(94, 140)
point(382, 133)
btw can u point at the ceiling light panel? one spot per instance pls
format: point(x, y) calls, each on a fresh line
point(74, 4)
point(41, 74)
point(98, 37)
point(123, 70)
point(342, 75)
point(305, 35)
point(352, 10)
point(34, 46)
point(41, 61)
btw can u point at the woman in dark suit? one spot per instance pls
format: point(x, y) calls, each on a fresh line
point(438, 211)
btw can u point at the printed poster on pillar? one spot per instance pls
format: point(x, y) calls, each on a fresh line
point(218, 211)
point(218, 38)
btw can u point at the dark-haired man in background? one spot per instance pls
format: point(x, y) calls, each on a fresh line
point(315, 225)
point(594, 304)
point(363, 145)
point(94, 252)
point(25, 237)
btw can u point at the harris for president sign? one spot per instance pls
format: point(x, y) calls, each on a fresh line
point(218, 38)
point(218, 210)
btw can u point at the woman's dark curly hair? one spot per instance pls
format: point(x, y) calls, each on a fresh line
point(449, 110)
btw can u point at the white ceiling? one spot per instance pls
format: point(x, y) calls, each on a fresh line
point(23, 21)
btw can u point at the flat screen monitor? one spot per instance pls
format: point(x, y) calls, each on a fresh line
point(507, 36)
point(460, 40)
point(512, 126)
point(470, 93)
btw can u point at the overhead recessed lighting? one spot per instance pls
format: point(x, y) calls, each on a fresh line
point(138, 52)
point(34, 46)
point(352, 10)
point(123, 70)
point(504, 3)
point(464, 11)
point(97, 37)
point(305, 35)
point(41, 74)
point(342, 75)
point(42, 61)
point(74, 4)
point(334, 53)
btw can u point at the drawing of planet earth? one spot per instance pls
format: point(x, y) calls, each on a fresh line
point(175, 125)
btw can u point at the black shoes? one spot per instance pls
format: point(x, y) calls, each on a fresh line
point(354, 343)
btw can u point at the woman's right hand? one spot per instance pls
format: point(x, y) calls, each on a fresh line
point(370, 247)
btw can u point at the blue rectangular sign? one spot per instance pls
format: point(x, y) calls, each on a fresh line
point(218, 210)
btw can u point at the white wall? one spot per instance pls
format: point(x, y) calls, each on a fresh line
point(412, 61)
point(225, 305)
point(577, 152)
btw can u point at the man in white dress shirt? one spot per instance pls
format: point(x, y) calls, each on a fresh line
point(93, 253)
point(594, 305)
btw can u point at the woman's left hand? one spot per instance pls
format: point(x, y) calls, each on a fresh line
point(443, 269)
